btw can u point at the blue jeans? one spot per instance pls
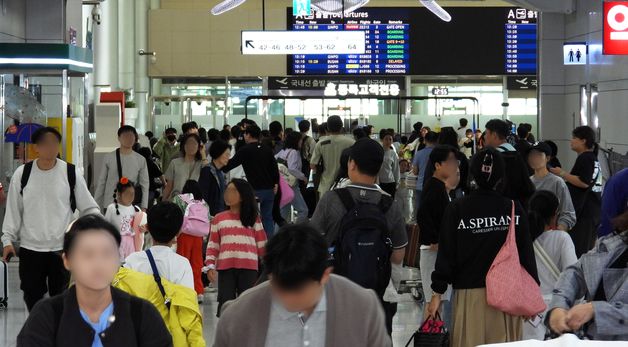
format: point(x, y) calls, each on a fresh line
point(299, 205)
point(266, 198)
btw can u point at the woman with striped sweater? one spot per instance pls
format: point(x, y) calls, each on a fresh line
point(236, 243)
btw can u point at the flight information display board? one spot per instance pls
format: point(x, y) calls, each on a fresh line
point(387, 44)
point(413, 41)
point(521, 46)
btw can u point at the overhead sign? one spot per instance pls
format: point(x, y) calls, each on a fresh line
point(301, 7)
point(303, 42)
point(575, 53)
point(522, 82)
point(440, 91)
point(615, 28)
point(338, 86)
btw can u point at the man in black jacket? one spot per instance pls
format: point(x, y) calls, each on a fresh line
point(516, 184)
point(260, 167)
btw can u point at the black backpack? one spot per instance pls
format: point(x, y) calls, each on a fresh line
point(363, 246)
point(26, 174)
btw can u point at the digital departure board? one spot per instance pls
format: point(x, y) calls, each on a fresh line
point(387, 44)
point(521, 46)
point(413, 41)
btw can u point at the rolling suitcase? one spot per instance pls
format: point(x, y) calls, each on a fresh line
point(413, 246)
point(4, 284)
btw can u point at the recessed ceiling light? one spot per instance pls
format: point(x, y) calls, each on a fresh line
point(436, 9)
point(226, 6)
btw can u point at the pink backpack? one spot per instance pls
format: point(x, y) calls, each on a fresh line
point(509, 287)
point(196, 218)
point(138, 239)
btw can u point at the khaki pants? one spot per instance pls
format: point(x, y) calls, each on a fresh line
point(476, 323)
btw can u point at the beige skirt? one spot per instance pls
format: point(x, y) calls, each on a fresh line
point(476, 323)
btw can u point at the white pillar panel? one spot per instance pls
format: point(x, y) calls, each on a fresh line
point(106, 48)
point(126, 44)
point(141, 63)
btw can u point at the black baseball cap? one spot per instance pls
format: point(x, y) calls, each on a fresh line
point(541, 147)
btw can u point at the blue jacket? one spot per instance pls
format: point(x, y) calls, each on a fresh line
point(583, 279)
point(614, 200)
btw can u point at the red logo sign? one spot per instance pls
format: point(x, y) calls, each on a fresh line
point(616, 27)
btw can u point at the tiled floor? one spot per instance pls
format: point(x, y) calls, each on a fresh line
point(11, 319)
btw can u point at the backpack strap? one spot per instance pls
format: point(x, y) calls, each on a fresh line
point(153, 266)
point(119, 162)
point(345, 196)
point(385, 203)
point(72, 183)
point(136, 316)
point(26, 174)
point(504, 149)
point(542, 255)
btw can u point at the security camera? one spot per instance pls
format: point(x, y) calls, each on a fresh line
point(199, 102)
point(167, 102)
point(96, 12)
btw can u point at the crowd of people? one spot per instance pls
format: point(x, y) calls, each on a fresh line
point(312, 224)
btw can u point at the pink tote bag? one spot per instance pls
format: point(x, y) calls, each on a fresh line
point(287, 194)
point(509, 287)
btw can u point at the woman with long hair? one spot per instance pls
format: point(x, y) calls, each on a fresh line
point(187, 167)
point(290, 156)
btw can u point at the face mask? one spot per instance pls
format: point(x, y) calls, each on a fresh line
point(171, 137)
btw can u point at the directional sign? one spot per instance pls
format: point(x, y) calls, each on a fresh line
point(304, 42)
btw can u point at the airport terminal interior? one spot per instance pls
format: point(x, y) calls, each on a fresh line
point(242, 154)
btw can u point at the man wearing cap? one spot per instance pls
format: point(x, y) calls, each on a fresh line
point(365, 159)
point(539, 155)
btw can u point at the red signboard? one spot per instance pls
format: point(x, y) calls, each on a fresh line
point(616, 28)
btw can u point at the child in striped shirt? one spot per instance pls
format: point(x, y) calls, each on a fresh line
point(236, 243)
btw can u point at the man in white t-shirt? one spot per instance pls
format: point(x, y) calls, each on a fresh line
point(164, 222)
point(42, 198)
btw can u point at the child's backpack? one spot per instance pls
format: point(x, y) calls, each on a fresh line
point(136, 224)
point(196, 217)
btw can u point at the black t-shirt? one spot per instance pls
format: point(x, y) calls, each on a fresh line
point(473, 230)
point(587, 168)
point(434, 200)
